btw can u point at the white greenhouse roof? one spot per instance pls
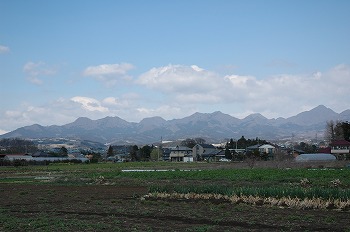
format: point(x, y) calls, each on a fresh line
point(266, 146)
point(315, 157)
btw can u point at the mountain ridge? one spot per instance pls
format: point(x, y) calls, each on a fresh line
point(214, 126)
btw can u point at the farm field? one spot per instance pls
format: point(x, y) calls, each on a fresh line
point(105, 197)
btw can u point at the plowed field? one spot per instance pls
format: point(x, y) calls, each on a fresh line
point(31, 207)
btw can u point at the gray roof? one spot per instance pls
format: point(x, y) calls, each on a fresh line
point(315, 157)
point(206, 145)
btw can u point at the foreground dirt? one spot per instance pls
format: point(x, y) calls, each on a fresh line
point(121, 208)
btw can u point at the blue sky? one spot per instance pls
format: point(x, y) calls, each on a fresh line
point(60, 60)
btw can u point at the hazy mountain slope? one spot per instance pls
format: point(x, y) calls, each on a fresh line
point(211, 126)
point(317, 115)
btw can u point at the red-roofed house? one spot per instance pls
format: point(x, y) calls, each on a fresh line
point(341, 149)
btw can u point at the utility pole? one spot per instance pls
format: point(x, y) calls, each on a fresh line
point(161, 142)
point(292, 144)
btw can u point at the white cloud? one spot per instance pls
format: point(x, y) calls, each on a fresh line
point(107, 69)
point(279, 95)
point(35, 71)
point(4, 49)
point(89, 104)
point(179, 79)
point(109, 74)
point(112, 101)
point(35, 80)
point(165, 111)
point(176, 91)
point(241, 81)
point(3, 132)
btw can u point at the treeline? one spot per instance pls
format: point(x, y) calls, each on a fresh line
point(19, 162)
point(243, 143)
point(337, 130)
point(16, 146)
point(136, 153)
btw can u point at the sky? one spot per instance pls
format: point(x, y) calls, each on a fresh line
point(60, 60)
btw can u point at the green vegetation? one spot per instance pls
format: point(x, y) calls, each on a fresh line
point(322, 178)
point(203, 197)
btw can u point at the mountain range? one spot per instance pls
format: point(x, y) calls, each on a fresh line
point(213, 127)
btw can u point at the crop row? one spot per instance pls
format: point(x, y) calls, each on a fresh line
point(276, 192)
point(319, 177)
point(290, 202)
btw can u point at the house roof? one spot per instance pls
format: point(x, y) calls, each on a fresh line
point(253, 147)
point(40, 154)
point(181, 148)
point(340, 143)
point(266, 146)
point(13, 155)
point(18, 157)
point(302, 151)
point(213, 153)
point(325, 150)
point(206, 145)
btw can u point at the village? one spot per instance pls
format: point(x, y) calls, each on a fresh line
point(188, 150)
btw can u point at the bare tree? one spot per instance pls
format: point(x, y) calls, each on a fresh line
point(199, 140)
point(334, 130)
point(329, 132)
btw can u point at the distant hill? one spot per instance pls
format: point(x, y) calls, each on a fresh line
point(210, 126)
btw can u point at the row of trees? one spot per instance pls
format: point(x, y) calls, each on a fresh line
point(337, 130)
point(136, 154)
point(243, 143)
point(16, 145)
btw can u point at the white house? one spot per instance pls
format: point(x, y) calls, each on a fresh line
point(179, 153)
point(268, 149)
point(341, 149)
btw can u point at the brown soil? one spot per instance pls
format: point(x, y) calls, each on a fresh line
point(120, 208)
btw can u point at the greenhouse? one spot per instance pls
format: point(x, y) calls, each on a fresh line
point(315, 157)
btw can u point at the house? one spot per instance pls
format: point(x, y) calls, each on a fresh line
point(13, 157)
point(201, 151)
point(253, 147)
point(40, 154)
point(166, 153)
point(267, 148)
point(215, 155)
point(341, 149)
point(180, 153)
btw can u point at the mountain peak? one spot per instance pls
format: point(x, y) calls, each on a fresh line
point(214, 126)
point(255, 116)
point(314, 116)
point(153, 120)
point(82, 120)
point(322, 108)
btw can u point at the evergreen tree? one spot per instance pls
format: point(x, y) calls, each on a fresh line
point(63, 151)
point(110, 151)
point(134, 153)
point(228, 154)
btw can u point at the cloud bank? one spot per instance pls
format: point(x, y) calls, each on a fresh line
point(36, 72)
point(175, 91)
point(109, 74)
point(4, 49)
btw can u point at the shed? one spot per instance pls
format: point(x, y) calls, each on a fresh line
point(315, 157)
point(18, 157)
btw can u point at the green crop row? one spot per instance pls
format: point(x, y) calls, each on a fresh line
point(316, 177)
point(178, 172)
